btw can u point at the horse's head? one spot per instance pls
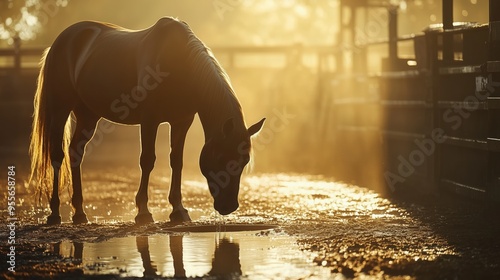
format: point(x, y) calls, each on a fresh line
point(222, 161)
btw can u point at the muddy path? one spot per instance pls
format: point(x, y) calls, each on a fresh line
point(304, 224)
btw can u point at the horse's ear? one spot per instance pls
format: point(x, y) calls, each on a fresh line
point(256, 127)
point(228, 127)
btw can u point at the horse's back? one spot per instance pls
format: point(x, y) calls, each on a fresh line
point(107, 41)
point(105, 61)
point(74, 46)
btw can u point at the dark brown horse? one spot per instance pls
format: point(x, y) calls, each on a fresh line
point(147, 77)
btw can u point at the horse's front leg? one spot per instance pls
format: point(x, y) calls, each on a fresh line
point(147, 161)
point(84, 131)
point(178, 137)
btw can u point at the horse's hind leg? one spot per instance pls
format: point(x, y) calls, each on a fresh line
point(85, 128)
point(147, 161)
point(57, 157)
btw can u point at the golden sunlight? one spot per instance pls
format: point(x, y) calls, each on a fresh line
point(256, 139)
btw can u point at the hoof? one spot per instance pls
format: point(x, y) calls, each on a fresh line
point(80, 219)
point(142, 219)
point(53, 220)
point(180, 216)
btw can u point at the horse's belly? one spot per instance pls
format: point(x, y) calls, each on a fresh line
point(111, 103)
point(133, 104)
point(120, 109)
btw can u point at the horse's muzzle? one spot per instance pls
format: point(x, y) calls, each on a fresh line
point(225, 209)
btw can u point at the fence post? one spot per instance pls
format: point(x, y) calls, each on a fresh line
point(494, 38)
point(433, 87)
point(17, 54)
point(393, 36)
point(447, 25)
point(493, 183)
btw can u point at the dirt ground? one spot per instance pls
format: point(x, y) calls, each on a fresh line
point(352, 231)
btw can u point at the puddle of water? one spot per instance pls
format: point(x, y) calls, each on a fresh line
point(222, 228)
point(253, 254)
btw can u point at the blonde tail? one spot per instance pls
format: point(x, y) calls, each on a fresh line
point(42, 174)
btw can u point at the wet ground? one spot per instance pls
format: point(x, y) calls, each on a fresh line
point(287, 227)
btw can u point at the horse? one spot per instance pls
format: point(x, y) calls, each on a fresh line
point(161, 74)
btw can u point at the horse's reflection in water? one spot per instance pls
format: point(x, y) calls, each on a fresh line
point(225, 261)
point(76, 253)
point(143, 248)
point(176, 251)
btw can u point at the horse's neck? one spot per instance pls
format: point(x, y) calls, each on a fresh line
point(216, 110)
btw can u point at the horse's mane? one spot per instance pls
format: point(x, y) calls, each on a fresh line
point(205, 66)
point(210, 76)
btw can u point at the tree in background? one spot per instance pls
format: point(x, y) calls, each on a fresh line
point(24, 19)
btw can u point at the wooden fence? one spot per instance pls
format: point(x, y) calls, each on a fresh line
point(441, 128)
point(432, 120)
